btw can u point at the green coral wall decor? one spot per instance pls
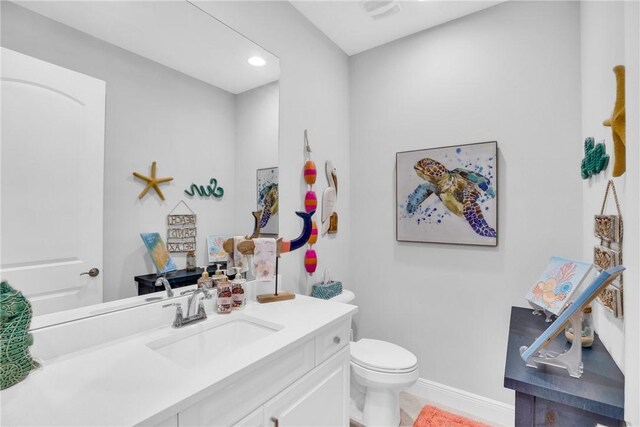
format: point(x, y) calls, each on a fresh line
point(595, 159)
point(15, 339)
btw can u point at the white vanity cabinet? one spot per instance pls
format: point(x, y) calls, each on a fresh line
point(308, 385)
point(320, 399)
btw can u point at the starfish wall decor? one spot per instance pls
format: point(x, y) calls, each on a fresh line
point(617, 122)
point(152, 182)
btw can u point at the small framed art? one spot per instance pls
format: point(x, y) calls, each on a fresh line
point(267, 192)
point(448, 195)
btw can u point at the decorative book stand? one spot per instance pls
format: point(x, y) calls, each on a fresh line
point(571, 359)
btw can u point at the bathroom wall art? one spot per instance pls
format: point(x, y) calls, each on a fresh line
point(310, 206)
point(595, 159)
point(181, 230)
point(329, 198)
point(214, 248)
point(618, 125)
point(267, 191)
point(152, 182)
point(159, 253)
point(558, 282)
point(609, 230)
point(211, 190)
point(448, 195)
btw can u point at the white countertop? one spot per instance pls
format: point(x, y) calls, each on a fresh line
point(125, 382)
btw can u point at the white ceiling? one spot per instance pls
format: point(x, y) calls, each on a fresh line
point(354, 31)
point(173, 33)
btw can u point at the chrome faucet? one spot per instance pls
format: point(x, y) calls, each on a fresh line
point(162, 281)
point(192, 303)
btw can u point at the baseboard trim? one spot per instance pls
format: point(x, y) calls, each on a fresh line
point(489, 410)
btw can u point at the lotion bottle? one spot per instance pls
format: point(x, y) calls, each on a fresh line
point(225, 299)
point(217, 276)
point(237, 290)
point(205, 281)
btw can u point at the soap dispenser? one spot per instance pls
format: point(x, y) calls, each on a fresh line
point(225, 299)
point(217, 276)
point(205, 281)
point(237, 290)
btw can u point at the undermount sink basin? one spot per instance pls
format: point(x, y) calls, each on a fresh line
point(198, 344)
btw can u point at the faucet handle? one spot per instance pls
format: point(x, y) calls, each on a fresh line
point(179, 318)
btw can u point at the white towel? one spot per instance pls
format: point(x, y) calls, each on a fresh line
point(264, 259)
point(237, 259)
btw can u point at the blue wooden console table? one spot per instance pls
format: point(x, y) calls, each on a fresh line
point(548, 395)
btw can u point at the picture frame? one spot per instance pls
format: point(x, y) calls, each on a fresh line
point(215, 250)
point(268, 200)
point(159, 252)
point(448, 195)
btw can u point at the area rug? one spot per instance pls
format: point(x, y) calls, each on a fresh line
point(430, 416)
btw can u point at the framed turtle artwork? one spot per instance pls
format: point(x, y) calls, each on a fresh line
point(448, 195)
point(267, 197)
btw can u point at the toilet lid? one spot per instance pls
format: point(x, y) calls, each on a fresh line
point(382, 356)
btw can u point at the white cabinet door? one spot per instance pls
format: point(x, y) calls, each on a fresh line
point(51, 182)
point(320, 398)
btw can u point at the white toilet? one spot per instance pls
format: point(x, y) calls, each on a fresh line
point(380, 370)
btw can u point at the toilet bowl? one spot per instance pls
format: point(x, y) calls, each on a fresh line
point(380, 370)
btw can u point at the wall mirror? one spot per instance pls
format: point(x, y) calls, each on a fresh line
point(94, 91)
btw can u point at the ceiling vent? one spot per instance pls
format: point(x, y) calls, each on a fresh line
point(379, 9)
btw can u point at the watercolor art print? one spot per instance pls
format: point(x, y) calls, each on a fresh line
point(448, 195)
point(215, 249)
point(267, 190)
point(557, 283)
point(159, 253)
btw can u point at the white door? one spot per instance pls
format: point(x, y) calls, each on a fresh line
point(51, 182)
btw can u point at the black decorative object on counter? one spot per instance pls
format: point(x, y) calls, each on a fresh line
point(177, 279)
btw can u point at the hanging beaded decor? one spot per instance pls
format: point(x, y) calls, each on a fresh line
point(310, 205)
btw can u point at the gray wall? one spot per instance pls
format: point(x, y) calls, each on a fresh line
point(314, 95)
point(511, 74)
point(256, 146)
point(153, 113)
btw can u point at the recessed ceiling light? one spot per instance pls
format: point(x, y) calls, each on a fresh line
point(257, 61)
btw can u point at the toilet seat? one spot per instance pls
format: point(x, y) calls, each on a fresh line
point(382, 356)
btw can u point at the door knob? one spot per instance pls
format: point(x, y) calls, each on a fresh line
point(92, 273)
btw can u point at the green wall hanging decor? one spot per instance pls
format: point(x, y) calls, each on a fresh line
point(15, 339)
point(211, 190)
point(595, 159)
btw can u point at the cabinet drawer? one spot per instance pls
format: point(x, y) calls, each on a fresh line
point(332, 340)
point(229, 405)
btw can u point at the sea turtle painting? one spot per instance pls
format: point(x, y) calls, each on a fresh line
point(268, 199)
point(458, 189)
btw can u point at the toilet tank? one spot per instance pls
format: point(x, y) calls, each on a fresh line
point(346, 297)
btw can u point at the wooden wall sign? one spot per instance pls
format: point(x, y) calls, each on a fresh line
point(181, 231)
